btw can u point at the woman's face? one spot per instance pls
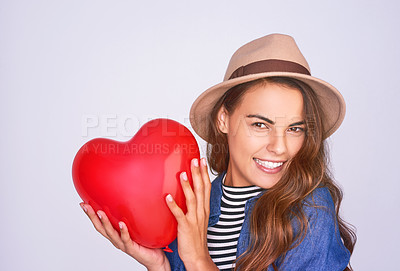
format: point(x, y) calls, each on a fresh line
point(265, 131)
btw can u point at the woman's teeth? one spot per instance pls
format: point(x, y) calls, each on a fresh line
point(267, 164)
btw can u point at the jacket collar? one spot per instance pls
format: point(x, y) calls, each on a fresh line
point(215, 199)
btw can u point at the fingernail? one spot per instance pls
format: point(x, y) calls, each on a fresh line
point(98, 213)
point(84, 208)
point(203, 161)
point(169, 198)
point(195, 162)
point(184, 176)
point(120, 225)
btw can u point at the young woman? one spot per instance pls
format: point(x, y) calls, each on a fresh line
point(274, 205)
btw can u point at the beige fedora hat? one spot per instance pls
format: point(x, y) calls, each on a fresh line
point(271, 55)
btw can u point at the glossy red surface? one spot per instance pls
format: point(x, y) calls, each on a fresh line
point(130, 180)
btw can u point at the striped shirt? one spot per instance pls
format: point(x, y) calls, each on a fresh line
point(222, 238)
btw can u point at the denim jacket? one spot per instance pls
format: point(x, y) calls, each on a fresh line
point(321, 249)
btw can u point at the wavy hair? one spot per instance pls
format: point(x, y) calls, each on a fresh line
point(272, 234)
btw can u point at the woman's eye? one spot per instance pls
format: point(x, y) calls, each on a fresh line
point(259, 125)
point(296, 129)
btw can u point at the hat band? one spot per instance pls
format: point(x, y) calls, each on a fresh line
point(269, 65)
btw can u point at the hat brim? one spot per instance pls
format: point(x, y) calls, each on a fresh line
point(332, 102)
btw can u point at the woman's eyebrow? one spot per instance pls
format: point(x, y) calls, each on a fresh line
point(297, 123)
point(261, 117)
point(272, 122)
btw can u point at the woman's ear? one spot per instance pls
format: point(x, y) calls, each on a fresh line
point(223, 120)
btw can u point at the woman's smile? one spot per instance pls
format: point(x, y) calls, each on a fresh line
point(270, 167)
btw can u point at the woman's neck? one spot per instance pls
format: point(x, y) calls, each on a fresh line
point(228, 178)
point(235, 181)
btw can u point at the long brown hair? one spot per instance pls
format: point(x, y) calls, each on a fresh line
point(271, 229)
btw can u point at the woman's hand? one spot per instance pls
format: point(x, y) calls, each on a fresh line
point(192, 226)
point(152, 259)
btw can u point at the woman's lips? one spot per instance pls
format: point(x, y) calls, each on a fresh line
point(270, 167)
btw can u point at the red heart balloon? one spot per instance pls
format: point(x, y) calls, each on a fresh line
point(130, 180)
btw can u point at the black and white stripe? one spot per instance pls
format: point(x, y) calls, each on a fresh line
point(222, 238)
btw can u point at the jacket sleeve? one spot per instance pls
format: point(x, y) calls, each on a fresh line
point(322, 247)
point(173, 257)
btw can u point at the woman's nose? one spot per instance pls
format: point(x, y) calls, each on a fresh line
point(277, 143)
